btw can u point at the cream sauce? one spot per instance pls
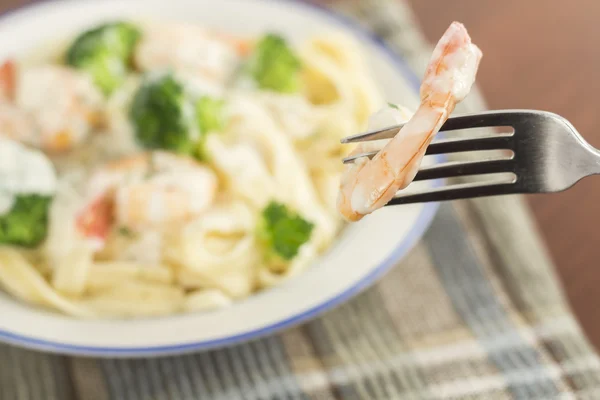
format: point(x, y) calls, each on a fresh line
point(23, 171)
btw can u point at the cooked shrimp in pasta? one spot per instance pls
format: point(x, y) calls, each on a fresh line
point(161, 167)
point(145, 190)
point(369, 184)
point(208, 58)
point(48, 106)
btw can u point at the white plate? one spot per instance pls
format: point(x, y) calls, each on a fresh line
point(362, 254)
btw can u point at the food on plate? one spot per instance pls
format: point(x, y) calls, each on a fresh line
point(155, 168)
point(105, 53)
point(273, 65)
point(207, 58)
point(368, 185)
point(52, 107)
point(168, 117)
point(282, 232)
point(143, 191)
point(27, 186)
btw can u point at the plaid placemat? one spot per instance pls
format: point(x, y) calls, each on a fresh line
point(473, 312)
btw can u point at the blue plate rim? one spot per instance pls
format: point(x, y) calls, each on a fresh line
point(421, 224)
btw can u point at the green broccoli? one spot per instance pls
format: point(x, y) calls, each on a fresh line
point(105, 53)
point(166, 117)
point(160, 113)
point(274, 65)
point(211, 118)
point(107, 72)
point(282, 232)
point(26, 223)
point(209, 112)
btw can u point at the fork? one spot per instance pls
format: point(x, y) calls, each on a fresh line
point(548, 155)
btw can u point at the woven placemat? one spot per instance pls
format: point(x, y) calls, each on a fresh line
point(474, 312)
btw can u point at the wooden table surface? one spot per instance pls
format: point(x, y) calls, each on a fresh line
point(544, 54)
point(540, 54)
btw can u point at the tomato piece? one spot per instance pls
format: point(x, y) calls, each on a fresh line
point(96, 220)
point(8, 80)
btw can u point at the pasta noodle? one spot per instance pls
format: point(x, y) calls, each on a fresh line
point(20, 279)
point(104, 275)
point(218, 250)
point(71, 274)
point(202, 300)
point(138, 233)
point(335, 73)
point(136, 298)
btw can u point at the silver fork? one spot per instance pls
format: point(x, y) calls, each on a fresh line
point(548, 155)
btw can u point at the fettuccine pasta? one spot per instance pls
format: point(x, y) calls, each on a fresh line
point(196, 170)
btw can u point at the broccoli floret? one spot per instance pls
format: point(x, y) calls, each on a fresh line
point(26, 224)
point(163, 116)
point(282, 232)
point(107, 72)
point(274, 65)
point(166, 117)
point(116, 38)
point(105, 53)
point(211, 118)
point(210, 115)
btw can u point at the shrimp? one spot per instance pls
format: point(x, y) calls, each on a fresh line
point(369, 184)
point(147, 190)
point(207, 58)
point(50, 107)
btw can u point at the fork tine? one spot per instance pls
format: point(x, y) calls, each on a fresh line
point(386, 133)
point(468, 121)
point(351, 158)
point(465, 168)
point(500, 141)
point(480, 120)
point(456, 192)
point(503, 141)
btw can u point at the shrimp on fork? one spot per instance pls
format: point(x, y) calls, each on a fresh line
point(368, 185)
point(147, 190)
